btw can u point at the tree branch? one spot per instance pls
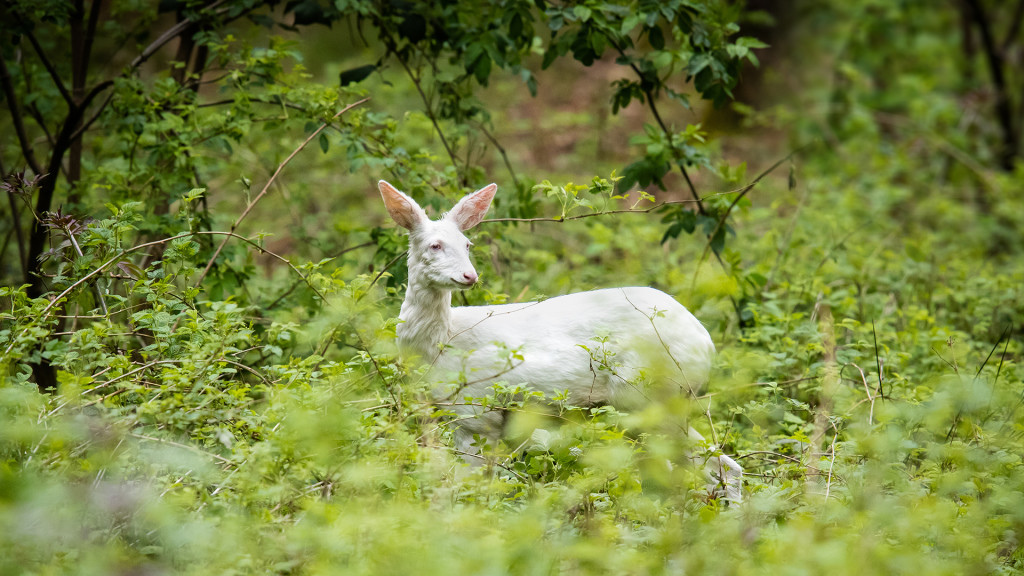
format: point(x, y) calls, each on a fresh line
point(50, 69)
point(994, 58)
point(266, 188)
point(146, 53)
point(56, 300)
point(433, 119)
point(743, 192)
point(661, 123)
point(95, 91)
point(90, 31)
point(19, 127)
point(1011, 34)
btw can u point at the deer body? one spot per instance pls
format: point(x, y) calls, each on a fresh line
point(620, 346)
point(564, 340)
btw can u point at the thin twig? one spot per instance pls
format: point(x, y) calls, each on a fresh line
point(266, 187)
point(649, 209)
point(502, 152)
point(498, 464)
point(417, 82)
point(867, 391)
point(16, 119)
point(381, 273)
point(117, 258)
point(831, 462)
point(743, 192)
point(184, 446)
point(49, 67)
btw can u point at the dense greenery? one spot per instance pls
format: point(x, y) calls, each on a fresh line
point(200, 288)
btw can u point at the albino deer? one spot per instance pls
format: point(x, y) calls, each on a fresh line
point(648, 344)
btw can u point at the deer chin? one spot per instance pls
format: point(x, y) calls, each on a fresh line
point(463, 285)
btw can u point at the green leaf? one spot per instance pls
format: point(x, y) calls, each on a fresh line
point(324, 143)
point(354, 75)
point(656, 38)
point(482, 69)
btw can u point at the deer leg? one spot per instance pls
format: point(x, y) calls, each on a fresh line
point(721, 472)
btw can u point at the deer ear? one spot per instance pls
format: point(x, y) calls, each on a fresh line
point(404, 210)
point(472, 208)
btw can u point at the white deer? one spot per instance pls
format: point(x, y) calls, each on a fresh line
point(647, 343)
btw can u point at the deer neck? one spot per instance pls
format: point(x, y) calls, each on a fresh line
point(426, 318)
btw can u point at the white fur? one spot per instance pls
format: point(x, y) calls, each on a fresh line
point(620, 346)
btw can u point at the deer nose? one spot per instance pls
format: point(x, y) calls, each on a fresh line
point(470, 277)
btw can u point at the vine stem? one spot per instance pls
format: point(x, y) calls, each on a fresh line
point(266, 187)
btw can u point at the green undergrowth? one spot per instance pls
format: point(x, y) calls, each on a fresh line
point(229, 398)
point(874, 401)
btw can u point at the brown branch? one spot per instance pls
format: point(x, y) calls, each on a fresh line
point(50, 69)
point(146, 53)
point(647, 210)
point(16, 228)
point(743, 192)
point(266, 187)
point(90, 31)
point(36, 115)
point(19, 127)
point(1015, 22)
point(501, 151)
point(661, 123)
point(171, 33)
point(994, 59)
point(292, 288)
point(117, 258)
point(416, 81)
point(89, 97)
point(217, 457)
point(46, 188)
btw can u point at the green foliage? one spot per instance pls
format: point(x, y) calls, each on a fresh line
point(217, 304)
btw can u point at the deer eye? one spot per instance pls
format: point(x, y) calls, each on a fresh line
point(435, 246)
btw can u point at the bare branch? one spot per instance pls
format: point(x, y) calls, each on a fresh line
point(743, 192)
point(56, 300)
point(99, 110)
point(661, 123)
point(90, 33)
point(50, 69)
point(19, 127)
point(994, 59)
point(266, 187)
point(171, 33)
point(1015, 22)
point(433, 118)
